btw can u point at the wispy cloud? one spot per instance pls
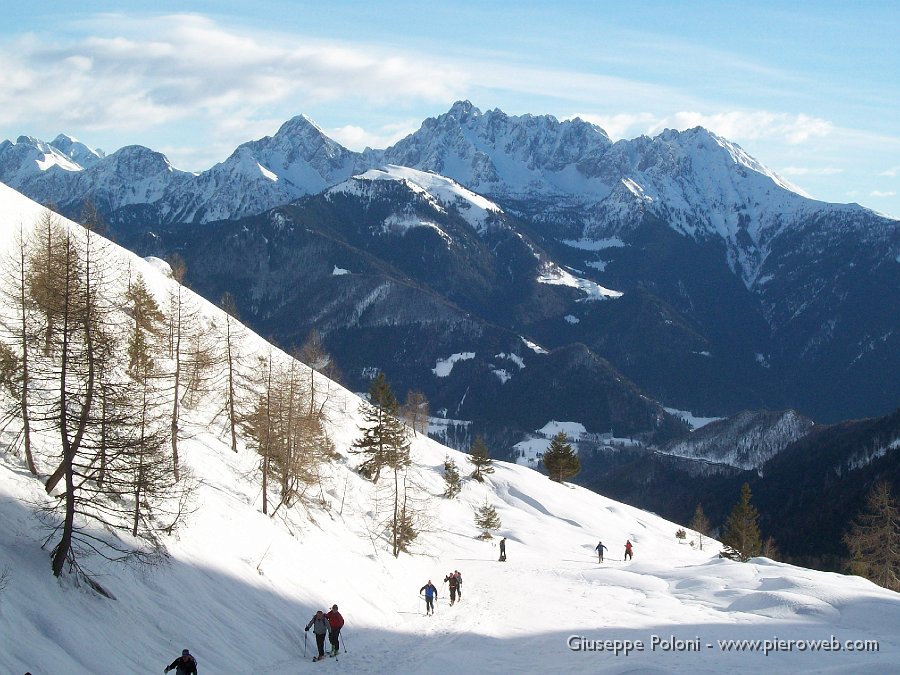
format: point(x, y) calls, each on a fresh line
point(734, 125)
point(193, 66)
point(739, 125)
point(893, 172)
point(879, 193)
point(810, 171)
point(358, 138)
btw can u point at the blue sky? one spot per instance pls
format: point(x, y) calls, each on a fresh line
point(811, 89)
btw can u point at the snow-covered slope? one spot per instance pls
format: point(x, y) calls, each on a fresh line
point(238, 587)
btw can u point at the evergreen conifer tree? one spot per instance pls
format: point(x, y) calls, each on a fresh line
point(486, 519)
point(480, 458)
point(385, 439)
point(560, 459)
point(742, 538)
point(453, 483)
point(874, 539)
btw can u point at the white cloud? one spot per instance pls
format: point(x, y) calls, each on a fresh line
point(751, 125)
point(893, 172)
point(625, 125)
point(123, 78)
point(357, 138)
point(880, 193)
point(810, 171)
point(733, 125)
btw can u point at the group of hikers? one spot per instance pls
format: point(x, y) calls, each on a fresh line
point(429, 590)
point(600, 548)
point(329, 624)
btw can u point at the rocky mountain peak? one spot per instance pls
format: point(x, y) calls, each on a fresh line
point(77, 151)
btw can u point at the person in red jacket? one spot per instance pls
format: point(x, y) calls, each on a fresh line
point(627, 549)
point(335, 623)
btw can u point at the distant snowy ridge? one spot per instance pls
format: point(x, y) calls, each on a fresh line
point(437, 190)
point(746, 440)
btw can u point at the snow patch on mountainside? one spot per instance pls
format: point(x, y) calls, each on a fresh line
point(694, 421)
point(398, 223)
point(554, 275)
point(444, 367)
point(595, 244)
point(530, 451)
point(534, 346)
point(439, 191)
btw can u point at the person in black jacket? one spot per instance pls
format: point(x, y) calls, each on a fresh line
point(503, 550)
point(454, 586)
point(183, 665)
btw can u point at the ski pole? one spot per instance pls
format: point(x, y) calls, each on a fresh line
point(305, 635)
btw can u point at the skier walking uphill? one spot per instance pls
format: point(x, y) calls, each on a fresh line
point(458, 585)
point(183, 665)
point(628, 554)
point(600, 548)
point(335, 623)
point(454, 586)
point(430, 592)
point(503, 550)
point(319, 625)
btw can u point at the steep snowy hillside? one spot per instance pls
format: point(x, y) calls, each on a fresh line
point(237, 586)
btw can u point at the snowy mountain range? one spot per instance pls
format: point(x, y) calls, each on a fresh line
point(735, 291)
point(236, 586)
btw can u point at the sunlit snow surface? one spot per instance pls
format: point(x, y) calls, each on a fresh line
point(238, 586)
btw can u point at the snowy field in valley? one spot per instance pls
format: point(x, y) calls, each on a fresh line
point(238, 586)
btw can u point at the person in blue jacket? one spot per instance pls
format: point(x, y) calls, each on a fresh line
point(430, 591)
point(600, 548)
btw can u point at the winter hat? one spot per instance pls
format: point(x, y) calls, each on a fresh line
point(334, 607)
point(185, 652)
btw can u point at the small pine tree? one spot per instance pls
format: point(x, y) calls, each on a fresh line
point(874, 539)
point(680, 534)
point(451, 478)
point(560, 459)
point(486, 519)
point(480, 458)
point(700, 524)
point(742, 538)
